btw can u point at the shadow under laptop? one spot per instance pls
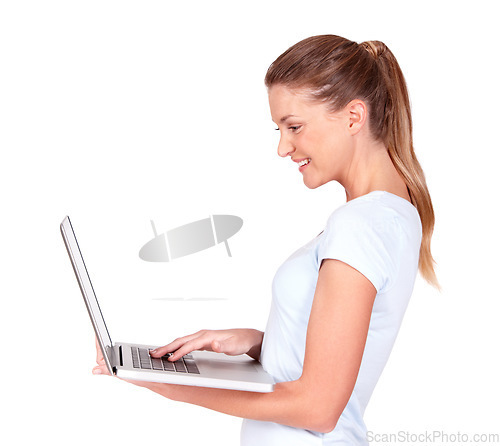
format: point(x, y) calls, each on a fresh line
point(189, 299)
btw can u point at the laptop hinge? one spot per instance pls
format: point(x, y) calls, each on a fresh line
point(115, 357)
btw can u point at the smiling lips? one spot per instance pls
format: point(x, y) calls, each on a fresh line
point(303, 162)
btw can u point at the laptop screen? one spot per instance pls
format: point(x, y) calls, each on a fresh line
point(88, 293)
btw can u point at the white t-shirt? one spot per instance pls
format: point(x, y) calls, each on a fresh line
point(379, 235)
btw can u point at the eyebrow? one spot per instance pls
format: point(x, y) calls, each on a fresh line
point(284, 118)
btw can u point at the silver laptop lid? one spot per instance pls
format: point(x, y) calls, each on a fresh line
point(88, 293)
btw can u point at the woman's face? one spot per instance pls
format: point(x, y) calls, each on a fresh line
point(316, 139)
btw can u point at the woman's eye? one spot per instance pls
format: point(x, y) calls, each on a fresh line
point(293, 128)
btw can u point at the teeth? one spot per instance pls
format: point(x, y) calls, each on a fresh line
point(304, 162)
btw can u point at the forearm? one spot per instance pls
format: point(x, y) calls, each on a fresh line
point(289, 404)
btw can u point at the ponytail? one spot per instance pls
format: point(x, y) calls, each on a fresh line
point(336, 71)
point(397, 134)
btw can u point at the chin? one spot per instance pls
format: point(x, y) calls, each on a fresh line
point(312, 184)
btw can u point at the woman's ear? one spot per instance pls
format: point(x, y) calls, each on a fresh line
point(357, 115)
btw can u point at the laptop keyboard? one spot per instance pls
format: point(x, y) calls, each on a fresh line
point(142, 360)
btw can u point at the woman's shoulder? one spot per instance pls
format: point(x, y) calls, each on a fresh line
point(374, 234)
point(378, 209)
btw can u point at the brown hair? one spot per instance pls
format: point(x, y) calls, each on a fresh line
point(335, 71)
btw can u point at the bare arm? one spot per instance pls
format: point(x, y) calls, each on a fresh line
point(237, 341)
point(336, 337)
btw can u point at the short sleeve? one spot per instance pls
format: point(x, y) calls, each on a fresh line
point(365, 237)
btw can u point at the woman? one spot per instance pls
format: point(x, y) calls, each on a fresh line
point(343, 113)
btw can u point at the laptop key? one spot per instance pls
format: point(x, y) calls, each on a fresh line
point(167, 365)
point(179, 366)
point(144, 358)
point(135, 357)
point(191, 366)
point(157, 365)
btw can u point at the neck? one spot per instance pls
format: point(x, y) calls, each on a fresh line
point(370, 169)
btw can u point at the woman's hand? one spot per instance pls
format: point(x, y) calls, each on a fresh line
point(231, 342)
point(101, 368)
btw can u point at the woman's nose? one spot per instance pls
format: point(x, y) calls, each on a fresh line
point(285, 148)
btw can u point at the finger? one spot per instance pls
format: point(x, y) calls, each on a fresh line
point(100, 370)
point(175, 345)
point(196, 344)
point(100, 357)
point(161, 351)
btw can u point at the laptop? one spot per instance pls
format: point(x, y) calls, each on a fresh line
point(132, 361)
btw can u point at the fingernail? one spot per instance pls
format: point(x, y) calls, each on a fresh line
point(96, 371)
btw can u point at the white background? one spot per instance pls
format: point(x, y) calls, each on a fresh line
point(119, 112)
